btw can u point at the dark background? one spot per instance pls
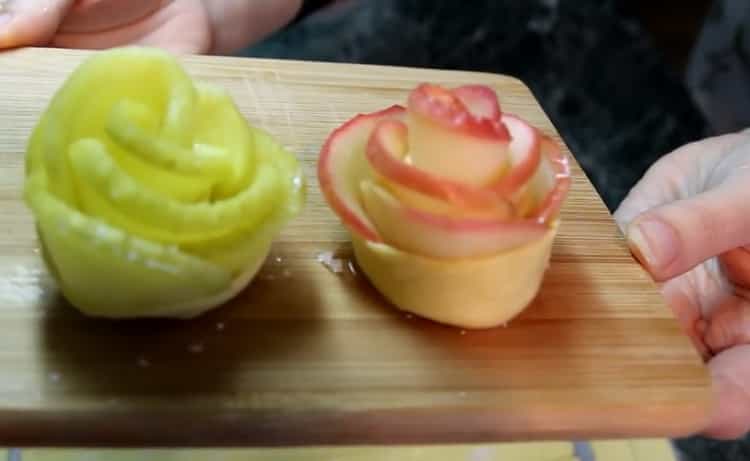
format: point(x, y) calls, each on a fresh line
point(609, 73)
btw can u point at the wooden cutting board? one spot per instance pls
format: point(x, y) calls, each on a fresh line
point(309, 353)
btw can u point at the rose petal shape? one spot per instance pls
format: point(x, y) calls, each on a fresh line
point(442, 236)
point(388, 154)
point(448, 140)
point(342, 165)
point(452, 204)
point(481, 101)
point(152, 194)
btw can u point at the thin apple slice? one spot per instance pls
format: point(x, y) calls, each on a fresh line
point(446, 139)
point(525, 156)
point(551, 181)
point(504, 209)
point(480, 100)
point(439, 236)
point(201, 160)
point(84, 252)
point(387, 151)
point(108, 191)
point(448, 110)
point(342, 166)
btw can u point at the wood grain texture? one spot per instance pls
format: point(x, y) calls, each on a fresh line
point(600, 450)
point(308, 355)
point(531, 451)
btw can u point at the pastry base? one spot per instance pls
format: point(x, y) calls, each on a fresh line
point(472, 293)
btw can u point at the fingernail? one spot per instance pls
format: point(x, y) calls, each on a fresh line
point(653, 242)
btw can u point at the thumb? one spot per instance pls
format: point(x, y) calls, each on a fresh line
point(730, 373)
point(30, 22)
point(673, 238)
point(671, 177)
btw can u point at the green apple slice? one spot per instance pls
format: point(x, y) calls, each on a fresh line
point(104, 271)
point(149, 215)
point(234, 250)
point(202, 160)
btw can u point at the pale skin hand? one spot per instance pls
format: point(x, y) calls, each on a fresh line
point(688, 222)
point(181, 26)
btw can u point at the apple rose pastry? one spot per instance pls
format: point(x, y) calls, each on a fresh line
point(151, 193)
point(452, 204)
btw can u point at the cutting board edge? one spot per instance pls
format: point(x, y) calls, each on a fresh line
point(305, 428)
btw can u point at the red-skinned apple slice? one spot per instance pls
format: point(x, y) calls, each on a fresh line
point(386, 152)
point(342, 165)
point(446, 139)
point(388, 158)
point(525, 152)
point(504, 209)
point(553, 177)
point(480, 100)
point(448, 110)
point(439, 236)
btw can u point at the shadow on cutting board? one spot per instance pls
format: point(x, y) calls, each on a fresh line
point(201, 356)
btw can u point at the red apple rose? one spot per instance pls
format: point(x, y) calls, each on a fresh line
point(448, 176)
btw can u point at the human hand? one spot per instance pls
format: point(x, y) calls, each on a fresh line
point(688, 223)
point(180, 26)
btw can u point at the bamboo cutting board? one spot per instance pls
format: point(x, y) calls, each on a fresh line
point(309, 353)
